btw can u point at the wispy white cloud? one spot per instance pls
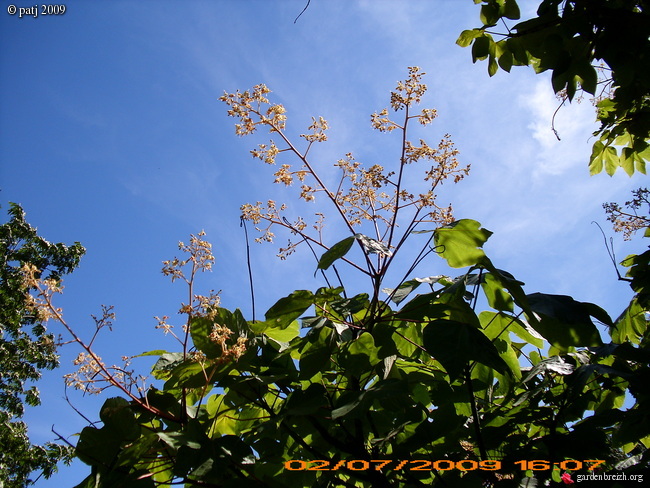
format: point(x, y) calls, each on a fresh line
point(574, 123)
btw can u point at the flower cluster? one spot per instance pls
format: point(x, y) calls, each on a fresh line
point(318, 128)
point(369, 194)
point(93, 377)
point(410, 91)
point(628, 220)
point(39, 302)
point(247, 104)
point(360, 195)
point(201, 257)
point(220, 335)
point(256, 214)
point(266, 153)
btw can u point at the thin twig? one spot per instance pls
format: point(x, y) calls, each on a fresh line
point(553, 119)
point(303, 11)
point(242, 223)
point(610, 252)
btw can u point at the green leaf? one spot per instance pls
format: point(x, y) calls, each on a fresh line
point(165, 364)
point(288, 309)
point(627, 160)
point(96, 446)
point(308, 402)
point(315, 357)
point(510, 10)
point(588, 77)
point(494, 291)
point(497, 330)
point(493, 66)
point(467, 36)
point(118, 417)
point(555, 364)
point(455, 345)
point(335, 252)
point(389, 393)
point(103, 445)
point(346, 306)
point(403, 290)
point(347, 407)
point(189, 374)
point(460, 242)
point(596, 158)
point(631, 325)
point(361, 355)
point(200, 329)
point(481, 47)
point(611, 160)
point(564, 322)
point(506, 61)
point(489, 14)
point(157, 352)
point(176, 440)
point(422, 308)
point(519, 52)
point(283, 335)
point(559, 80)
point(509, 323)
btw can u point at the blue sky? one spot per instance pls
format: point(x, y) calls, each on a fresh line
point(111, 134)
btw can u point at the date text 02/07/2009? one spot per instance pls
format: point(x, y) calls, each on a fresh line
point(439, 465)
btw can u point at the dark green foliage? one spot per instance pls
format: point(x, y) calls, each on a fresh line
point(461, 385)
point(574, 39)
point(431, 381)
point(26, 347)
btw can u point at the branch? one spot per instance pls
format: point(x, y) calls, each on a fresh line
point(303, 11)
point(611, 254)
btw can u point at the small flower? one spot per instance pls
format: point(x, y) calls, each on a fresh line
point(566, 477)
point(318, 128)
point(307, 193)
point(427, 116)
point(283, 175)
point(382, 123)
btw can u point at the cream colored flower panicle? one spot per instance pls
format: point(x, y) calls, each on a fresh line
point(410, 91)
point(221, 335)
point(93, 376)
point(363, 196)
point(318, 128)
point(39, 293)
point(266, 153)
point(200, 255)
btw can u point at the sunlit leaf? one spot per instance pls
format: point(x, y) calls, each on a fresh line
point(200, 329)
point(288, 309)
point(467, 36)
point(283, 335)
point(460, 242)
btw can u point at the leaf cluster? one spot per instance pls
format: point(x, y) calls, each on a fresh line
point(338, 389)
point(575, 40)
point(26, 347)
point(324, 377)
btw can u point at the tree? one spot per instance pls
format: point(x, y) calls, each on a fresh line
point(577, 39)
point(26, 347)
point(472, 382)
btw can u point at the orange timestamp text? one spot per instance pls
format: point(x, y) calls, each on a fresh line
point(439, 465)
